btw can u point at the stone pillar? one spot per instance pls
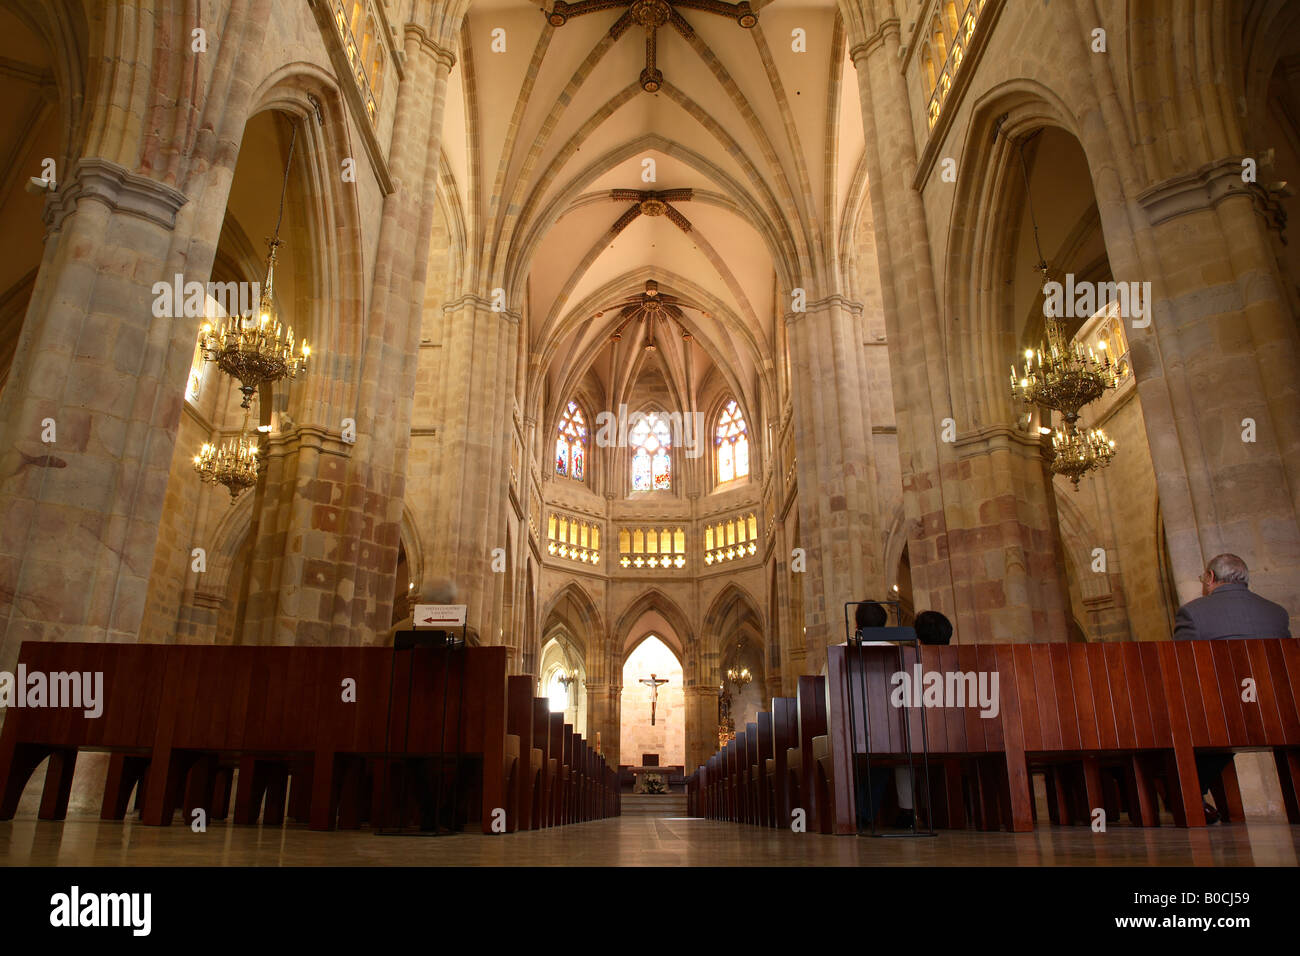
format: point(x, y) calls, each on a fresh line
point(1006, 557)
point(603, 717)
point(81, 509)
point(701, 723)
point(918, 371)
point(1218, 367)
point(330, 524)
point(837, 481)
point(470, 493)
point(984, 551)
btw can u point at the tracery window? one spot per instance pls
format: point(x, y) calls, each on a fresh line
point(732, 440)
point(733, 538)
point(651, 441)
point(571, 444)
point(656, 547)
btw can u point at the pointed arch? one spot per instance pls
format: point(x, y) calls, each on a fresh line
point(653, 599)
point(574, 606)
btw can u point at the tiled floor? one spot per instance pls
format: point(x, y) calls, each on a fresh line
point(632, 841)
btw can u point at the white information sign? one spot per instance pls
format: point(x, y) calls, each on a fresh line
point(439, 615)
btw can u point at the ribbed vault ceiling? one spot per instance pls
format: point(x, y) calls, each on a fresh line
point(768, 141)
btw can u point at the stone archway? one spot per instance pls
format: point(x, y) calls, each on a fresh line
point(666, 737)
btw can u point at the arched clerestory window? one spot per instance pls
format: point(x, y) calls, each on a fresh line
point(651, 441)
point(571, 444)
point(731, 438)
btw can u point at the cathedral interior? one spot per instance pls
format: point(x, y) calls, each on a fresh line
point(653, 333)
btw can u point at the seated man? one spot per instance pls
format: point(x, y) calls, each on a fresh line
point(1227, 609)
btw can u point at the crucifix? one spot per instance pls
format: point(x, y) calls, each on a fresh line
point(653, 683)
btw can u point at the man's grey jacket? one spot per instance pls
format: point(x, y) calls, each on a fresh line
point(1232, 610)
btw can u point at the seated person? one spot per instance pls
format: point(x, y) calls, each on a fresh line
point(868, 614)
point(1227, 609)
point(933, 628)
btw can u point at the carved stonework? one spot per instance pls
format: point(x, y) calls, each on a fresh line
point(651, 15)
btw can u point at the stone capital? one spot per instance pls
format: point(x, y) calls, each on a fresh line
point(868, 46)
point(983, 440)
point(429, 45)
point(299, 437)
point(119, 189)
point(835, 300)
point(477, 303)
point(1203, 189)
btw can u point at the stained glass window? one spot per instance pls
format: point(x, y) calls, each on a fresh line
point(732, 439)
point(651, 439)
point(571, 444)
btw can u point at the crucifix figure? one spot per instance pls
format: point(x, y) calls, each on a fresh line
point(653, 683)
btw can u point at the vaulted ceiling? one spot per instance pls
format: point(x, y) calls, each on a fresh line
point(546, 139)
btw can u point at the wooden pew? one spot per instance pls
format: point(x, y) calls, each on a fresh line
point(738, 772)
point(762, 736)
point(519, 722)
point(785, 735)
point(541, 815)
point(1106, 723)
point(1145, 707)
point(812, 724)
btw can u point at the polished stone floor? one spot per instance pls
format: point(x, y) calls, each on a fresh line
point(636, 841)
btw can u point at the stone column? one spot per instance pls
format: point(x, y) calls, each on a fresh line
point(89, 413)
point(470, 492)
point(917, 371)
point(326, 552)
point(701, 702)
point(984, 551)
point(837, 481)
point(603, 717)
point(1217, 374)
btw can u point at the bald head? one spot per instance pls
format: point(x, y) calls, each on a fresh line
point(1224, 569)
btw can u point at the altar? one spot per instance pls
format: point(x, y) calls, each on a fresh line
point(649, 779)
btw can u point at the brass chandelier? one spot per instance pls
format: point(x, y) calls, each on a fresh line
point(258, 350)
point(738, 676)
point(234, 463)
point(1077, 452)
point(1061, 375)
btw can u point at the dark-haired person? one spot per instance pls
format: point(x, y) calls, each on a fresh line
point(931, 627)
point(1226, 609)
point(869, 614)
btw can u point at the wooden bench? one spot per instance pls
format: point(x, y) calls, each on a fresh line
point(177, 719)
point(1107, 724)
